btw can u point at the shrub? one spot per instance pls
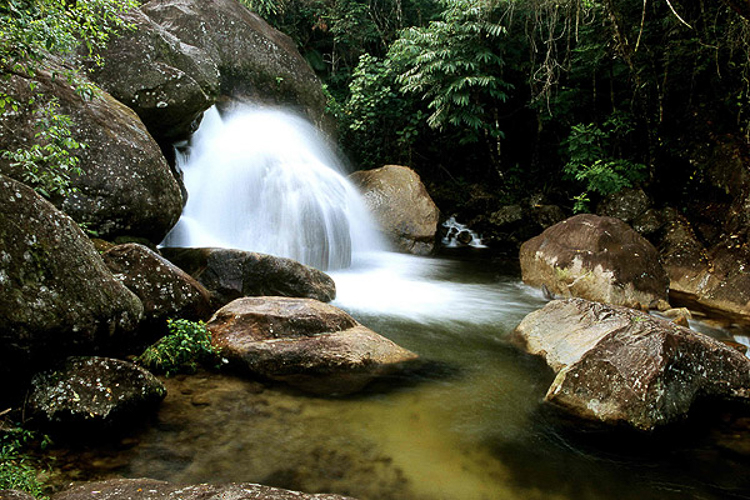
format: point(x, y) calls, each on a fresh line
point(187, 344)
point(18, 471)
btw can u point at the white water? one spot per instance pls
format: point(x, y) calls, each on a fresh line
point(263, 180)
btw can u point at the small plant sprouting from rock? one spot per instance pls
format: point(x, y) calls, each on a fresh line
point(187, 344)
point(18, 471)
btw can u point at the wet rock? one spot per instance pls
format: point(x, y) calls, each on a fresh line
point(149, 489)
point(14, 495)
point(93, 393)
point(597, 258)
point(126, 187)
point(401, 205)
point(56, 295)
point(168, 83)
point(256, 63)
point(626, 205)
point(230, 274)
point(306, 343)
point(165, 290)
point(619, 366)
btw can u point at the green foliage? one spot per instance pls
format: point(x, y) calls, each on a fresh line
point(187, 344)
point(589, 149)
point(18, 471)
point(31, 32)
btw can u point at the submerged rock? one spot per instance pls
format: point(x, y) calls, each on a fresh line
point(303, 342)
point(615, 365)
point(596, 258)
point(401, 205)
point(230, 274)
point(92, 393)
point(165, 290)
point(56, 295)
point(126, 187)
point(149, 489)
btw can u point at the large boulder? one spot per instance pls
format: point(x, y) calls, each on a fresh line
point(165, 290)
point(615, 365)
point(56, 295)
point(230, 274)
point(168, 83)
point(149, 489)
point(256, 63)
point(596, 258)
point(93, 393)
point(306, 343)
point(401, 205)
point(126, 187)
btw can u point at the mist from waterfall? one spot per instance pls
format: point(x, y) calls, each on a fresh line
point(264, 180)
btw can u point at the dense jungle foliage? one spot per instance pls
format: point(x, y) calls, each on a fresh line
point(496, 99)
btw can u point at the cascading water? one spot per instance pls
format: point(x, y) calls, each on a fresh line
point(263, 180)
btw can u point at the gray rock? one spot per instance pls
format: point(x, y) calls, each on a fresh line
point(626, 205)
point(403, 208)
point(165, 290)
point(597, 258)
point(230, 274)
point(89, 393)
point(126, 187)
point(618, 366)
point(56, 295)
point(311, 345)
point(14, 495)
point(149, 489)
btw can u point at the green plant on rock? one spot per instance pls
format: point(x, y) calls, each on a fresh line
point(591, 161)
point(187, 344)
point(18, 471)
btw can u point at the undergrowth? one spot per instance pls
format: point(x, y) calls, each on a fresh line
point(187, 344)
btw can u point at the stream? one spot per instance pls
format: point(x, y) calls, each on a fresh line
point(469, 424)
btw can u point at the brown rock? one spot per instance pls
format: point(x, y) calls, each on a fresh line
point(303, 342)
point(401, 205)
point(619, 366)
point(597, 258)
point(149, 489)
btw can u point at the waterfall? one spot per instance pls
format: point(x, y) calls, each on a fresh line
point(264, 180)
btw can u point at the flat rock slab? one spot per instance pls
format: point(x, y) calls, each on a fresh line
point(311, 345)
point(230, 274)
point(596, 258)
point(149, 489)
point(91, 393)
point(617, 366)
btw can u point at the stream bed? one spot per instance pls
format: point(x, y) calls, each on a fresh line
point(469, 424)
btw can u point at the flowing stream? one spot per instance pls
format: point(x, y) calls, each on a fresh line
point(469, 424)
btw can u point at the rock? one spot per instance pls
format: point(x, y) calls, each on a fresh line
point(14, 495)
point(507, 215)
point(256, 63)
point(165, 290)
point(306, 343)
point(56, 295)
point(150, 489)
point(168, 83)
point(626, 205)
point(231, 274)
point(126, 187)
point(597, 258)
point(649, 223)
point(680, 316)
point(716, 279)
point(616, 366)
point(401, 205)
point(93, 393)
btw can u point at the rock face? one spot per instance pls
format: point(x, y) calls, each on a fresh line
point(401, 205)
point(619, 366)
point(597, 258)
point(255, 62)
point(308, 344)
point(165, 290)
point(627, 205)
point(149, 489)
point(168, 83)
point(231, 274)
point(126, 187)
point(56, 295)
point(93, 393)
